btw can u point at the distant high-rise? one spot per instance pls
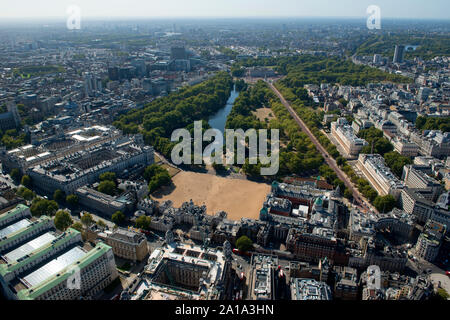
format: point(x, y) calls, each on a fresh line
point(12, 107)
point(178, 53)
point(113, 73)
point(424, 93)
point(88, 85)
point(398, 54)
point(376, 58)
point(11, 118)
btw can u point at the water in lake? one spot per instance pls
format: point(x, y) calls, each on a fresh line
point(218, 120)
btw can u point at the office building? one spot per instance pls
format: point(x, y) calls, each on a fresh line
point(417, 179)
point(360, 225)
point(126, 244)
point(18, 213)
point(345, 285)
point(309, 289)
point(346, 138)
point(376, 58)
point(39, 262)
point(102, 203)
point(413, 202)
point(312, 246)
point(405, 147)
point(379, 175)
point(74, 171)
point(262, 280)
point(371, 252)
point(319, 272)
point(398, 54)
point(429, 242)
point(22, 230)
point(77, 274)
point(178, 53)
point(51, 147)
point(11, 118)
point(187, 272)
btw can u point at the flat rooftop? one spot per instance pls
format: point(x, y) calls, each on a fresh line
point(53, 267)
point(14, 227)
point(29, 247)
point(12, 212)
point(309, 289)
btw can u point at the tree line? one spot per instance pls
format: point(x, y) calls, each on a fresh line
point(158, 119)
point(312, 117)
point(433, 123)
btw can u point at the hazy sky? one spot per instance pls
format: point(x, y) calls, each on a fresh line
point(424, 9)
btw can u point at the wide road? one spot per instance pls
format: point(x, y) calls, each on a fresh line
point(362, 203)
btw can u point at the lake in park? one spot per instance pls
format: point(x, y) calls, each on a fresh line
point(219, 120)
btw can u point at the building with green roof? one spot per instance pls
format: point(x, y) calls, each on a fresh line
point(84, 277)
point(37, 262)
point(13, 268)
point(19, 212)
point(26, 229)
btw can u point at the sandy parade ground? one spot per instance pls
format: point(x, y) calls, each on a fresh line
point(239, 198)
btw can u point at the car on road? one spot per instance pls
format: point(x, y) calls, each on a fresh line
point(447, 273)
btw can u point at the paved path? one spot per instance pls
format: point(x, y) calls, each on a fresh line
point(362, 203)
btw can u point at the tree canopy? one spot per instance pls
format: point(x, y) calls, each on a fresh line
point(244, 244)
point(433, 123)
point(101, 223)
point(157, 177)
point(26, 181)
point(26, 193)
point(396, 162)
point(108, 176)
point(374, 137)
point(107, 187)
point(118, 217)
point(72, 199)
point(309, 69)
point(384, 204)
point(59, 196)
point(15, 174)
point(62, 220)
point(158, 119)
point(77, 226)
point(87, 219)
point(41, 207)
point(143, 222)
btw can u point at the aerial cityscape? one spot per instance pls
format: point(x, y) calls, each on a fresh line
point(205, 155)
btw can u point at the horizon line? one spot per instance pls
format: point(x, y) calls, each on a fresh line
point(217, 17)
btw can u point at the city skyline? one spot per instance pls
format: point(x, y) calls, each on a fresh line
point(225, 9)
point(238, 151)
